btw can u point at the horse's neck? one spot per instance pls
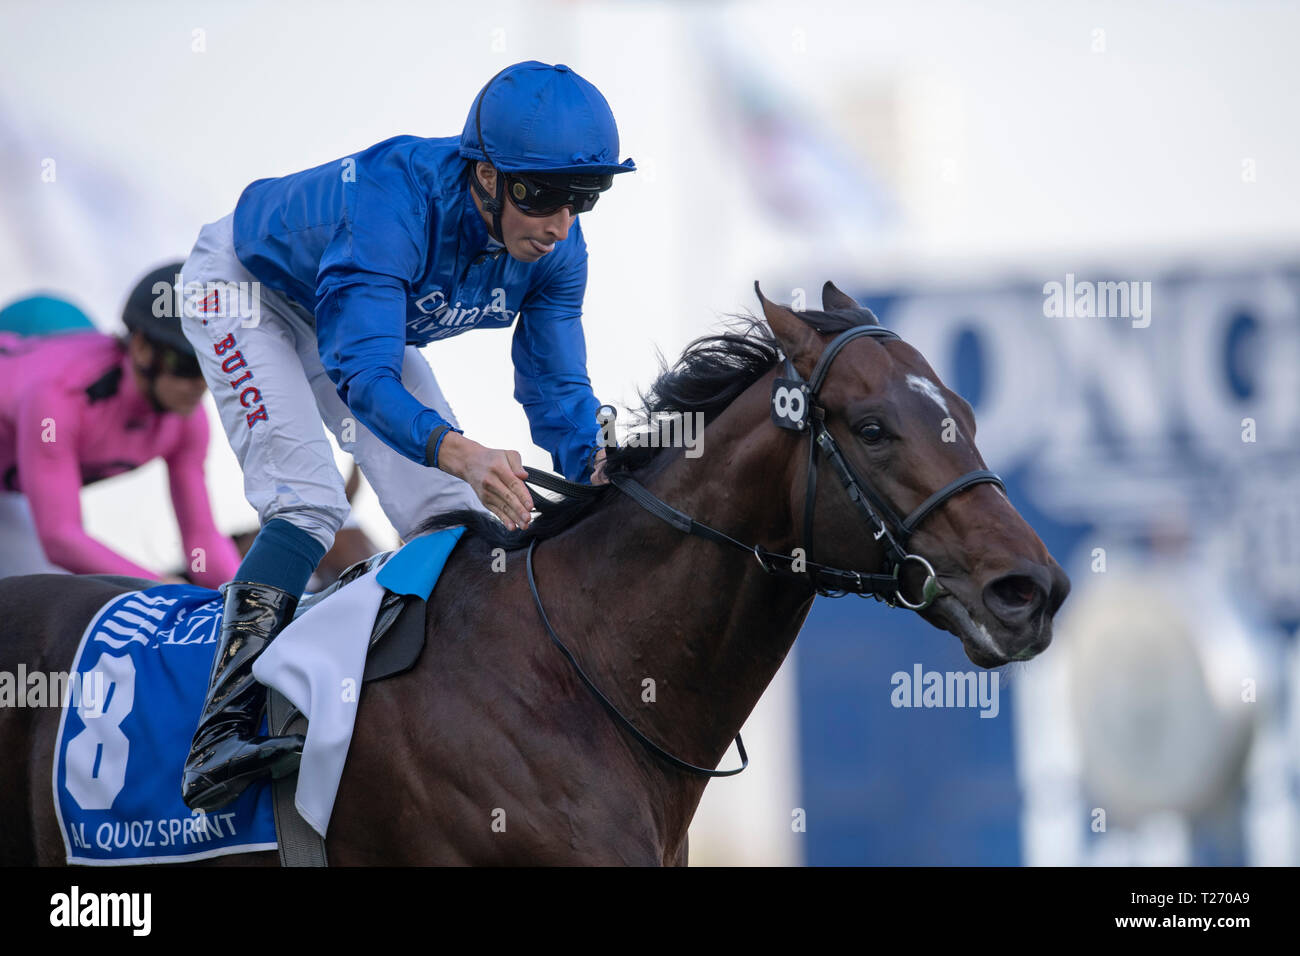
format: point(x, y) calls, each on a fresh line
point(641, 602)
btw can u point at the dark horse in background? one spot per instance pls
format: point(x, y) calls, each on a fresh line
point(493, 725)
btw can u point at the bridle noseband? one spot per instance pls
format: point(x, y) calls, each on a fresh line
point(795, 407)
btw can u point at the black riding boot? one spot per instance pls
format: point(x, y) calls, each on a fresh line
point(226, 755)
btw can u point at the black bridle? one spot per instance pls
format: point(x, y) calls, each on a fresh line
point(795, 407)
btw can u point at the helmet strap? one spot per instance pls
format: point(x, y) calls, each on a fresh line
point(491, 204)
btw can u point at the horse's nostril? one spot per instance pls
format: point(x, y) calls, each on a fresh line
point(1028, 595)
point(1018, 598)
point(1015, 590)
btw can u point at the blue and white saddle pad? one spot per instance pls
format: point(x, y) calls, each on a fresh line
point(318, 664)
point(138, 682)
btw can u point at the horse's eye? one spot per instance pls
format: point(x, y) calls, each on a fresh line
point(871, 432)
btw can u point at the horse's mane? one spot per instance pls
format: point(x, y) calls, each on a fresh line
point(712, 372)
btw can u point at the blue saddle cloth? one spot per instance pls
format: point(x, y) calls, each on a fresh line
point(136, 691)
point(134, 699)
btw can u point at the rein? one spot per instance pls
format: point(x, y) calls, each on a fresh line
point(646, 741)
point(794, 407)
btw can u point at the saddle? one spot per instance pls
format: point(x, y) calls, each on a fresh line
point(395, 645)
point(398, 635)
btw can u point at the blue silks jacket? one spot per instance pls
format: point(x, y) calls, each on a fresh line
point(386, 248)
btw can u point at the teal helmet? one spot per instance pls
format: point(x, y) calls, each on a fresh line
point(43, 315)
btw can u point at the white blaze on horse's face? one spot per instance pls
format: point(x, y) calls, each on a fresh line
point(931, 391)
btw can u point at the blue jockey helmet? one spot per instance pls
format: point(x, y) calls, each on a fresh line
point(551, 135)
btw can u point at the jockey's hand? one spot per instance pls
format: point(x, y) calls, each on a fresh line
point(495, 475)
point(598, 472)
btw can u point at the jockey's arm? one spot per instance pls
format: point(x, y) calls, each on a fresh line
point(50, 475)
point(361, 333)
point(207, 548)
point(550, 357)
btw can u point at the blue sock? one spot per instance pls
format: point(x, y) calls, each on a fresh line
point(283, 556)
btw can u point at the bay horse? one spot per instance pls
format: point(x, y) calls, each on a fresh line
point(494, 749)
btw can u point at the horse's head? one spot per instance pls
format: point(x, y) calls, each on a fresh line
point(903, 436)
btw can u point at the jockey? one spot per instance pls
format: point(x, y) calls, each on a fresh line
point(308, 304)
point(78, 406)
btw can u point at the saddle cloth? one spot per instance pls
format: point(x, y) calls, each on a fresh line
point(133, 702)
point(137, 688)
point(319, 660)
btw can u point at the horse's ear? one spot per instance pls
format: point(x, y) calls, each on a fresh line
point(798, 340)
point(833, 298)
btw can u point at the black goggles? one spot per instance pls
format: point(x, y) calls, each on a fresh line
point(544, 196)
point(178, 363)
